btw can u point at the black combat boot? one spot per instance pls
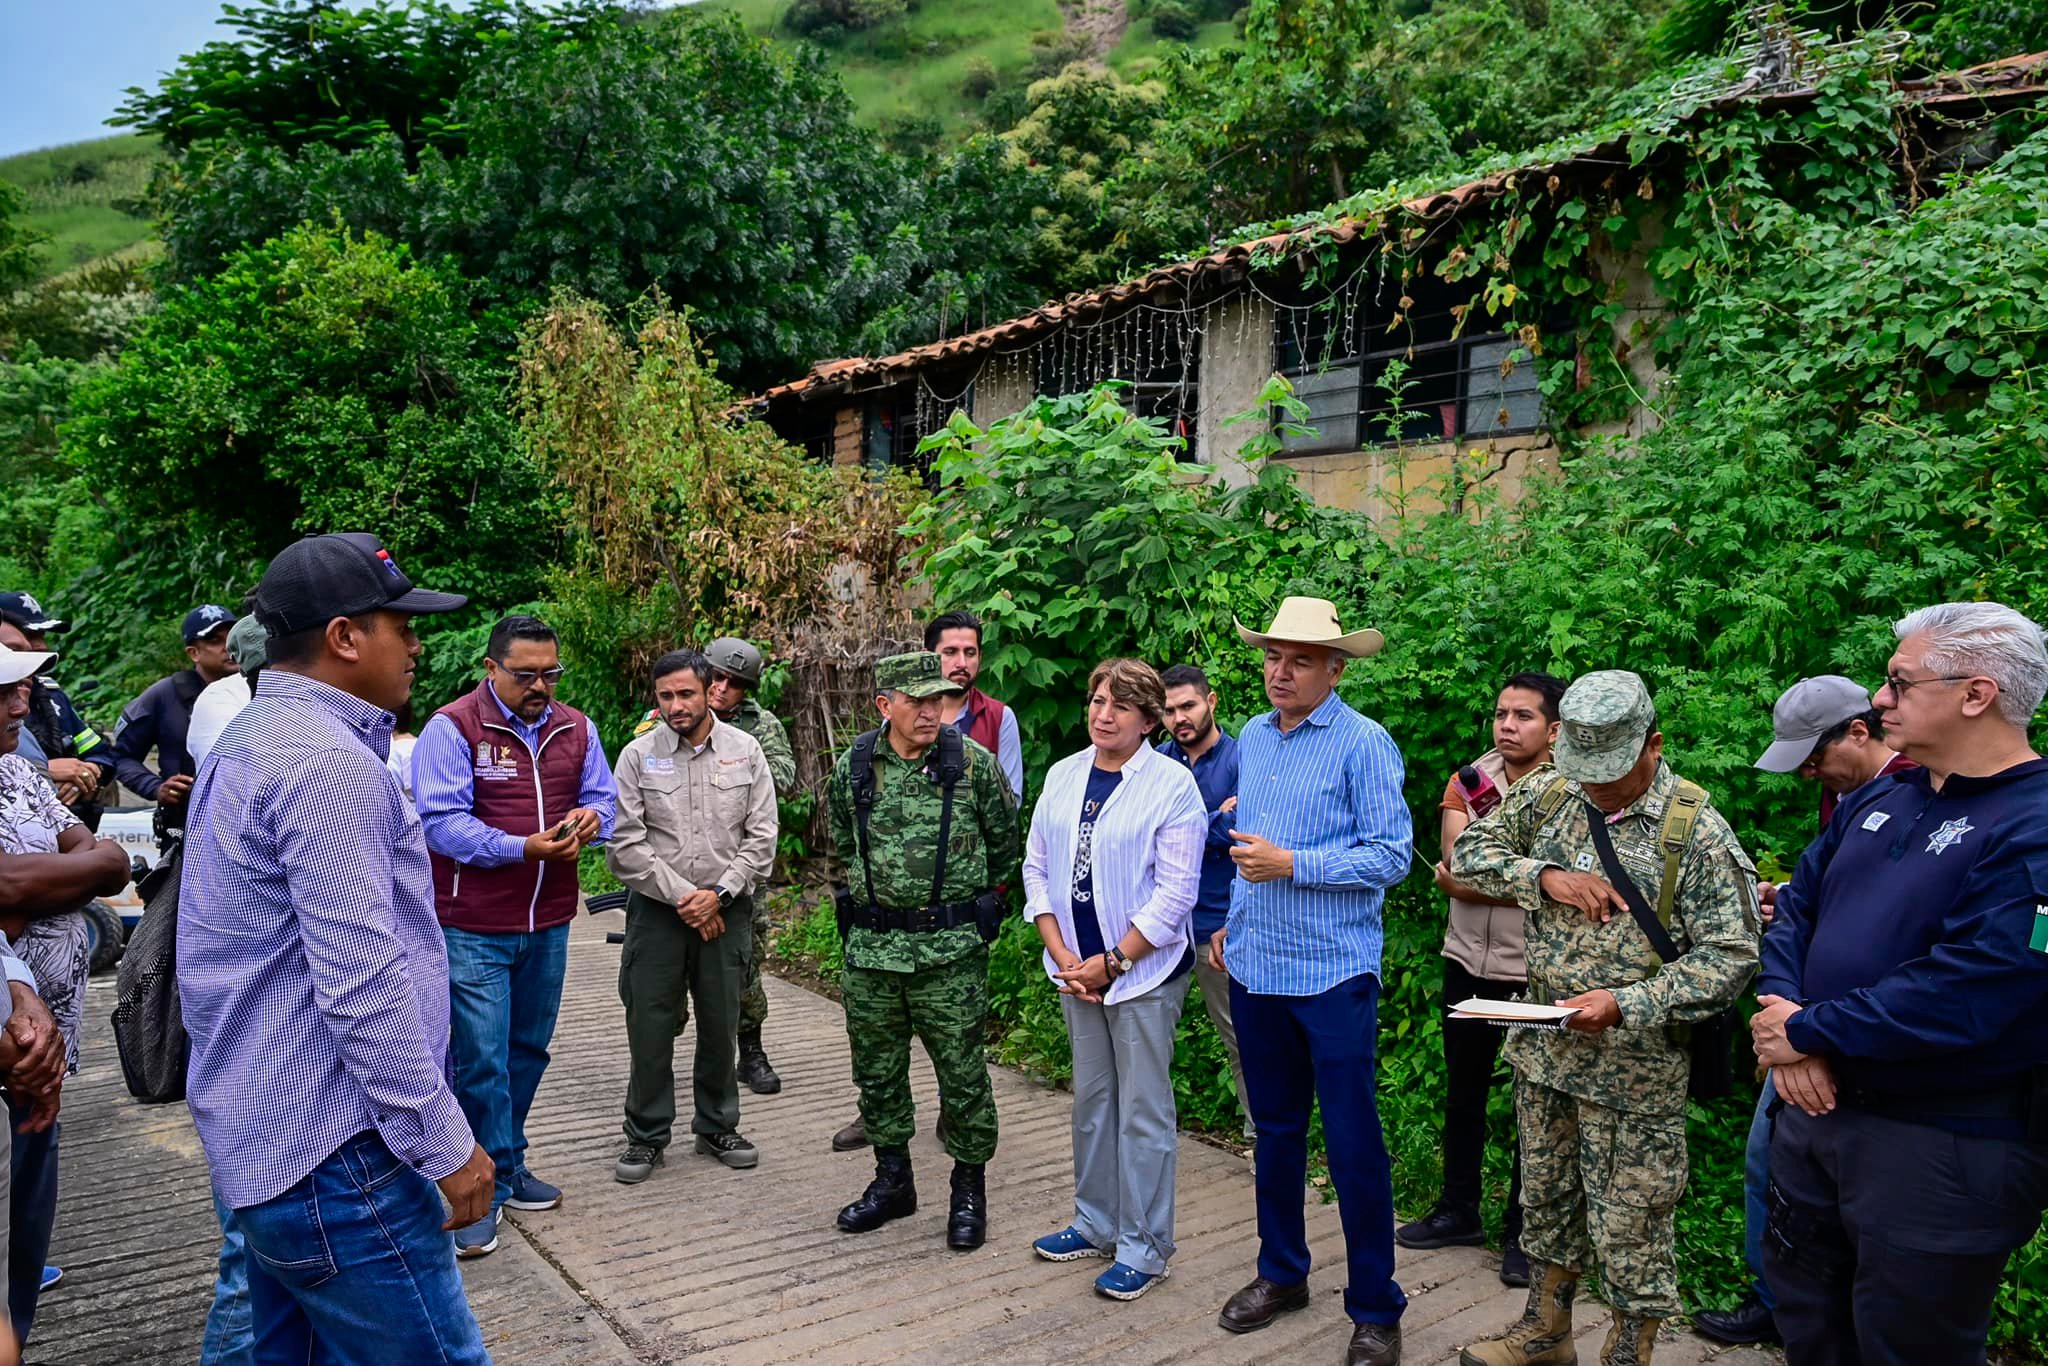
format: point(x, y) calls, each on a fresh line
point(759, 1077)
point(891, 1195)
point(967, 1224)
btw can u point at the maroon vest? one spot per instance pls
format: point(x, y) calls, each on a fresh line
point(987, 730)
point(520, 794)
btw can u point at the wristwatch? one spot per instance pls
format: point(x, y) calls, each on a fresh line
point(725, 899)
point(1117, 961)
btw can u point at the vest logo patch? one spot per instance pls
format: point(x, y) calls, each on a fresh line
point(1951, 833)
point(657, 763)
point(496, 763)
point(2039, 942)
point(1876, 819)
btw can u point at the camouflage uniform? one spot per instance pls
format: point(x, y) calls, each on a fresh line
point(767, 728)
point(1602, 1115)
point(933, 984)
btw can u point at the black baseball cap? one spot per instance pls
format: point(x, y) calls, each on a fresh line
point(313, 581)
point(29, 610)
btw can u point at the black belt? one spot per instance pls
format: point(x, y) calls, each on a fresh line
point(920, 920)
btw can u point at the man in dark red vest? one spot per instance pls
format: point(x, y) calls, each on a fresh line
point(955, 637)
point(510, 785)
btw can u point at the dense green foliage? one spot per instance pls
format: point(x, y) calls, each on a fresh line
point(349, 385)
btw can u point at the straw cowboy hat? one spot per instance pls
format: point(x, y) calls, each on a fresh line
point(1313, 621)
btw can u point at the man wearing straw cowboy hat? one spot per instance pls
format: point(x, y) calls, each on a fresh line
point(1321, 833)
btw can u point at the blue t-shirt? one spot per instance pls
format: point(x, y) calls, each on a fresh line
point(1087, 929)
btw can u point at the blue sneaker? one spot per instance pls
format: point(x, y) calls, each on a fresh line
point(52, 1275)
point(530, 1192)
point(1121, 1282)
point(479, 1238)
point(1067, 1246)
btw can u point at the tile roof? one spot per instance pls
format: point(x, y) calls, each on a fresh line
point(2010, 78)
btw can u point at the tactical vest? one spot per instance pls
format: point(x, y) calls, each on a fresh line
point(520, 791)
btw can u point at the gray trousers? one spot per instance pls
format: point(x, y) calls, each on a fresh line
point(1216, 1000)
point(1125, 1138)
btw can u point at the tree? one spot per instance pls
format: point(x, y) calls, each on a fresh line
point(1299, 115)
point(674, 151)
point(688, 520)
point(18, 242)
point(323, 381)
point(303, 72)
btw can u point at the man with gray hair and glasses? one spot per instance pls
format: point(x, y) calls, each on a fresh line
point(1905, 1015)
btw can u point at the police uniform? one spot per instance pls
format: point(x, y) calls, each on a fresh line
point(929, 979)
point(1602, 1115)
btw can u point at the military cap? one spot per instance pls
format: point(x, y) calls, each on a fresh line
point(1605, 718)
point(917, 674)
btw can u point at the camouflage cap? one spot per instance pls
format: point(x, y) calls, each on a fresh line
point(1605, 717)
point(917, 674)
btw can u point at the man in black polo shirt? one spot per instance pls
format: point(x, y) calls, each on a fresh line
point(1905, 1015)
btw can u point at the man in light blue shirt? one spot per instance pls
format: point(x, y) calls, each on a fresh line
point(1321, 833)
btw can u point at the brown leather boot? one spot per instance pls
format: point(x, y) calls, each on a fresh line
point(1543, 1335)
point(1629, 1341)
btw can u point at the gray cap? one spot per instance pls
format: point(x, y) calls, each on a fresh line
point(248, 643)
point(1806, 711)
point(1605, 717)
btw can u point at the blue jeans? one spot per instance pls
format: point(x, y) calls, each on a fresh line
point(229, 1340)
point(32, 1216)
point(503, 994)
point(1298, 1050)
point(351, 1265)
point(1756, 1182)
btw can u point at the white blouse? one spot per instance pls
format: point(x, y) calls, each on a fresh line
point(1147, 857)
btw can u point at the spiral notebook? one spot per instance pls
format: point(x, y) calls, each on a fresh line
point(1514, 1014)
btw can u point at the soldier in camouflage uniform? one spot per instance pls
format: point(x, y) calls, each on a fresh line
point(929, 978)
point(735, 673)
point(1602, 1104)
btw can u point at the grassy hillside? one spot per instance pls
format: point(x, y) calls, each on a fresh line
point(86, 196)
point(916, 66)
point(919, 65)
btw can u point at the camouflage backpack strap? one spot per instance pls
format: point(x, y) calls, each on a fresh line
point(1679, 819)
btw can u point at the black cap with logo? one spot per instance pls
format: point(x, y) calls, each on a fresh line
point(315, 580)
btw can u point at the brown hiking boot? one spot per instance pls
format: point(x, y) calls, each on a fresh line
point(1629, 1341)
point(1543, 1335)
point(854, 1135)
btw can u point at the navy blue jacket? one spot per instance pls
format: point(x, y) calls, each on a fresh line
point(156, 720)
point(1216, 775)
point(74, 739)
point(1908, 933)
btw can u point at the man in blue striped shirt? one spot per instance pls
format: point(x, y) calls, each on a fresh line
point(1322, 832)
point(313, 979)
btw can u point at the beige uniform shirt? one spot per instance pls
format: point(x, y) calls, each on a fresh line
point(693, 820)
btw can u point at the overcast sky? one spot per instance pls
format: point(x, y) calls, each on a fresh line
point(64, 63)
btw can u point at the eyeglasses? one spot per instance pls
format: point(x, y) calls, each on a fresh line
point(526, 678)
point(1901, 686)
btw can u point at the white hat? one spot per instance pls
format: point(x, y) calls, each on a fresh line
point(16, 665)
point(1313, 621)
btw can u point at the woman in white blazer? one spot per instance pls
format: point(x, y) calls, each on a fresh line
point(1110, 876)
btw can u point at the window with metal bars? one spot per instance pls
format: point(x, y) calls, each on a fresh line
point(1341, 356)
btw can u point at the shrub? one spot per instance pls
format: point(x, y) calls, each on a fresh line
point(1175, 19)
